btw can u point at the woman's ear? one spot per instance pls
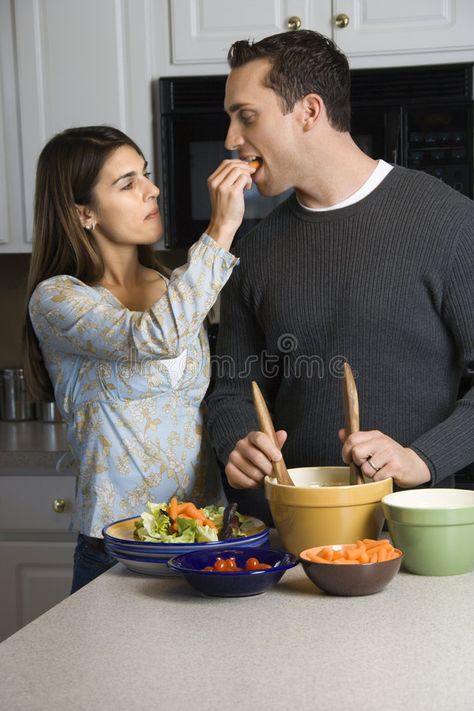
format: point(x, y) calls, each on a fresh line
point(312, 110)
point(86, 217)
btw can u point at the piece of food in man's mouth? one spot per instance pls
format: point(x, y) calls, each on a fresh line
point(254, 162)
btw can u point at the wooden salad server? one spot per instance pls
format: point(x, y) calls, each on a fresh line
point(351, 417)
point(266, 426)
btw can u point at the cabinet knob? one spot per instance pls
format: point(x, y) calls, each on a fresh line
point(293, 23)
point(342, 20)
point(59, 505)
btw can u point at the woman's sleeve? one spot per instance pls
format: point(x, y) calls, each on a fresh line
point(71, 318)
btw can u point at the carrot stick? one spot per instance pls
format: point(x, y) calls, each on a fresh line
point(189, 508)
point(353, 553)
point(173, 508)
point(314, 558)
point(208, 522)
point(318, 559)
point(382, 543)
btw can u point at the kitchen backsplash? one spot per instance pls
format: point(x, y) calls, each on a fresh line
point(13, 280)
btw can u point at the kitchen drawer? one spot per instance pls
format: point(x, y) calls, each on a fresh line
point(26, 503)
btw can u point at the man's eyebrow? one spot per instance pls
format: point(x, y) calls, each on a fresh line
point(130, 174)
point(235, 107)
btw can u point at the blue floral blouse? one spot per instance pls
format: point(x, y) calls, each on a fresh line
point(130, 386)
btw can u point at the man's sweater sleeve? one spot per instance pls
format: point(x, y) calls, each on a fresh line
point(449, 446)
point(231, 414)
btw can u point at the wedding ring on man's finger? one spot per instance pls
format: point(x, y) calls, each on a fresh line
point(369, 461)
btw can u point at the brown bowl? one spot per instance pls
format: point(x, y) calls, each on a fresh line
point(362, 579)
point(322, 507)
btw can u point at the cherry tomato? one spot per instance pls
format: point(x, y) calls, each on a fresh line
point(231, 564)
point(252, 564)
point(209, 569)
point(263, 566)
point(220, 564)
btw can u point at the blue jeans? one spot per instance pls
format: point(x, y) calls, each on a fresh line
point(90, 560)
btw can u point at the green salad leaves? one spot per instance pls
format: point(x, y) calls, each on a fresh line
point(156, 525)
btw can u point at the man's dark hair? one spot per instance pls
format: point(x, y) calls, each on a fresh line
point(302, 62)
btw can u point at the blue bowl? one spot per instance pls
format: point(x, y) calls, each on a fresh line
point(148, 565)
point(120, 535)
point(234, 584)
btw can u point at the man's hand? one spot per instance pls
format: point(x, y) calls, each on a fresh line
point(380, 457)
point(252, 458)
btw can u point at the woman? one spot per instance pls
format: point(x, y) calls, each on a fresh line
point(119, 345)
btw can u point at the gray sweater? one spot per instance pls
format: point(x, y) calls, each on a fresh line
point(386, 284)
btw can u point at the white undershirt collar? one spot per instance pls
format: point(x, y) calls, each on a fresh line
point(380, 172)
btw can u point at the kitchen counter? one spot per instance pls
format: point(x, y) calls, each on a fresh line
point(31, 443)
point(127, 641)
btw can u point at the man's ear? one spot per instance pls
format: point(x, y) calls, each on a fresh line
point(85, 216)
point(312, 109)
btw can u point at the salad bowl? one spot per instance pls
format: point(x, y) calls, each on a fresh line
point(150, 557)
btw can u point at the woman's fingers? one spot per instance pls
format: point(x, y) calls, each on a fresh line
point(227, 167)
point(226, 189)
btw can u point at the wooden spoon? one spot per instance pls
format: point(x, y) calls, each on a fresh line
point(266, 426)
point(351, 417)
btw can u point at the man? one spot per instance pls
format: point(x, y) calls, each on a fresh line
point(365, 262)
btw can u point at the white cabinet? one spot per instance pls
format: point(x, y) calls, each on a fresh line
point(377, 33)
point(36, 545)
point(404, 32)
point(76, 63)
point(12, 227)
point(36, 575)
point(203, 30)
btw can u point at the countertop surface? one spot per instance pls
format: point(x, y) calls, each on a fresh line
point(31, 443)
point(127, 641)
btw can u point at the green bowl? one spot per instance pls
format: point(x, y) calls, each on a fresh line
point(434, 528)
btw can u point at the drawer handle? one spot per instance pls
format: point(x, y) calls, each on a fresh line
point(59, 505)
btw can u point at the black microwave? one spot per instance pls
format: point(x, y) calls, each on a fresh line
point(419, 117)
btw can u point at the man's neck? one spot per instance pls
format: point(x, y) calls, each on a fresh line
point(341, 169)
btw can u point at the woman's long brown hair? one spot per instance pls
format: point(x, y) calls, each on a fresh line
point(67, 172)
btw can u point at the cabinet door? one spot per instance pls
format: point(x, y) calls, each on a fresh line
point(203, 30)
point(11, 204)
point(35, 577)
point(384, 27)
point(37, 503)
point(80, 63)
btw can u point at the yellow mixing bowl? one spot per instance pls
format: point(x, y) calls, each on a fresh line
point(322, 508)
